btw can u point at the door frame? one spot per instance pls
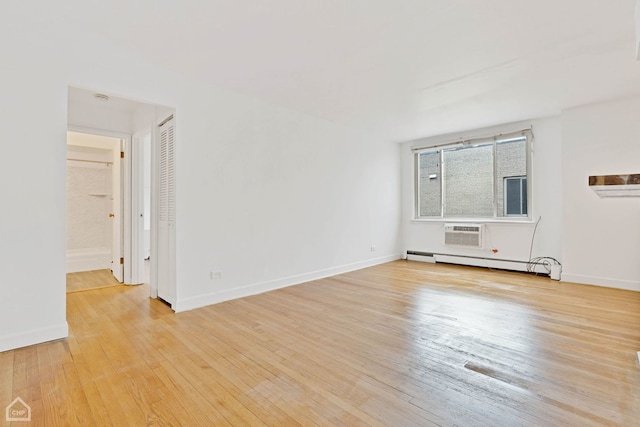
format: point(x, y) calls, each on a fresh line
point(136, 168)
point(125, 193)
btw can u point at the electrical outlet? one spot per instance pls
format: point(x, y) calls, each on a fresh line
point(373, 249)
point(215, 275)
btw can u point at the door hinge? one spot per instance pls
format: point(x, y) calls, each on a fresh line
point(121, 260)
point(122, 154)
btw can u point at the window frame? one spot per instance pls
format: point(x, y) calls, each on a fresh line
point(527, 134)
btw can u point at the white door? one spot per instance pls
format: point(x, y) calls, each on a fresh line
point(117, 255)
point(165, 262)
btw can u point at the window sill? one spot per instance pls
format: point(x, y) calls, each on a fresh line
point(525, 221)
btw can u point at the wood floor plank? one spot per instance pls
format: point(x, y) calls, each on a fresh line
point(403, 343)
point(89, 280)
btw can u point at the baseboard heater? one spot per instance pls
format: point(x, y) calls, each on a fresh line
point(501, 264)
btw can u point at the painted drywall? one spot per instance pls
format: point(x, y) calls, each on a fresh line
point(91, 116)
point(512, 240)
point(33, 107)
point(272, 195)
point(601, 237)
point(637, 19)
point(267, 196)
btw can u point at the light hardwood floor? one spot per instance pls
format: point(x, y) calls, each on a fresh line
point(400, 344)
point(85, 280)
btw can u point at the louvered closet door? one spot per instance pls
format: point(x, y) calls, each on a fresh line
point(167, 213)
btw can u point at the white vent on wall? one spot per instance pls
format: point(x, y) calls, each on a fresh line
point(468, 235)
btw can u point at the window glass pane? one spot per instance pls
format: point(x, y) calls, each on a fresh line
point(511, 161)
point(468, 182)
point(429, 183)
point(513, 196)
point(516, 195)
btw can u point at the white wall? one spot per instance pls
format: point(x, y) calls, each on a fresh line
point(272, 196)
point(268, 196)
point(33, 108)
point(601, 237)
point(637, 19)
point(511, 239)
point(87, 115)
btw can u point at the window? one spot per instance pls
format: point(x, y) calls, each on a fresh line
point(515, 196)
point(481, 178)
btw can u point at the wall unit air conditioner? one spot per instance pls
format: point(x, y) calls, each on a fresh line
point(467, 235)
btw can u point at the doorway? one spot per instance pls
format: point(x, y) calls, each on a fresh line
point(94, 211)
point(138, 127)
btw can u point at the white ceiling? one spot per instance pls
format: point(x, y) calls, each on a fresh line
point(404, 69)
point(84, 98)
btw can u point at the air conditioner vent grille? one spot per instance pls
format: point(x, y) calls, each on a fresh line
point(469, 235)
point(474, 228)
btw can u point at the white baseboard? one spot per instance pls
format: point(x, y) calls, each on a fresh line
point(258, 288)
point(484, 262)
point(480, 262)
point(92, 259)
point(421, 257)
point(629, 285)
point(35, 336)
